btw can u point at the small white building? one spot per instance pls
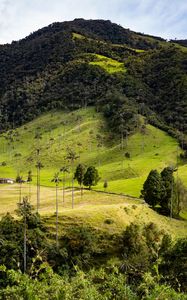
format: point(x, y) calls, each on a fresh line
point(6, 181)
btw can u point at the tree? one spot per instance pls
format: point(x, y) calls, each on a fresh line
point(152, 188)
point(91, 177)
point(56, 179)
point(64, 170)
point(105, 185)
point(19, 179)
point(72, 156)
point(168, 196)
point(29, 179)
point(79, 175)
point(24, 210)
point(181, 197)
point(39, 166)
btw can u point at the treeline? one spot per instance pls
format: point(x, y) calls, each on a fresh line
point(148, 261)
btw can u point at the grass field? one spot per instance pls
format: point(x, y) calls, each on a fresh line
point(102, 211)
point(86, 132)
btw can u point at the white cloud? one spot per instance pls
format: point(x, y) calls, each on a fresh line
point(165, 18)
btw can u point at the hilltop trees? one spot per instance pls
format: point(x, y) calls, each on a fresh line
point(87, 177)
point(91, 177)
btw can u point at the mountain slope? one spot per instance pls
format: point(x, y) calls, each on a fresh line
point(124, 166)
point(82, 63)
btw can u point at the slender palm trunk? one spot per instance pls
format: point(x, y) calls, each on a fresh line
point(64, 188)
point(56, 215)
point(37, 204)
point(29, 190)
point(25, 247)
point(72, 192)
point(81, 187)
point(20, 192)
point(72, 185)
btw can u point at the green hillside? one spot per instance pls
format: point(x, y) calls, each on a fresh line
point(87, 133)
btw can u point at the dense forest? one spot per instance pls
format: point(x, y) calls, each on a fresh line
point(54, 68)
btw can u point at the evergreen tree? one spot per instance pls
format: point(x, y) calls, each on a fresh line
point(152, 188)
point(79, 174)
point(168, 197)
point(91, 177)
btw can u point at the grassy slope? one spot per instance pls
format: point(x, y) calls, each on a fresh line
point(93, 209)
point(108, 64)
point(86, 132)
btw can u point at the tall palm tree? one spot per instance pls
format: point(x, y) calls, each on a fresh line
point(24, 209)
point(64, 170)
point(29, 179)
point(56, 179)
point(39, 166)
point(19, 179)
point(72, 156)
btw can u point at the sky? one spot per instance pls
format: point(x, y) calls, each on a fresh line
point(165, 18)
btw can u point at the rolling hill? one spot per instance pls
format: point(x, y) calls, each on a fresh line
point(77, 64)
point(125, 166)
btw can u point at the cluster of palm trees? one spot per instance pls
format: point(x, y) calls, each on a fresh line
point(71, 157)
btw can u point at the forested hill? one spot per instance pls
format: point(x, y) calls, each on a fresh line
point(94, 62)
point(180, 42)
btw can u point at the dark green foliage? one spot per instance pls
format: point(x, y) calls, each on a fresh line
point(105, 185)
point(159, 81)
point(19, 179)
point(180, 42)
point(127, 155)
point(153, 189)
point(54, 73)
point(142, 247)
point(180, 196)
point(79, 174)
point(149, 261)
point(91, 177)
point(10, 245)
point(121, 115)
point(163, 190)
point(174, 265)
point(29, 178)
point(168, 183)
point(80, 244)
point(11, 236)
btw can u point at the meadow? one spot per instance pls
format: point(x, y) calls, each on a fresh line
point(86, 132)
